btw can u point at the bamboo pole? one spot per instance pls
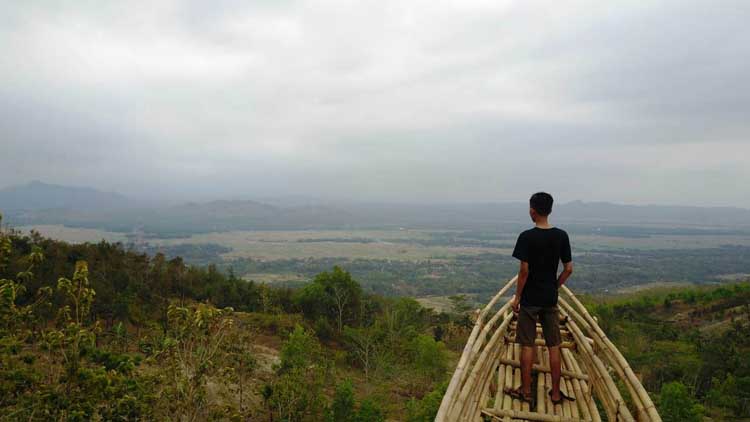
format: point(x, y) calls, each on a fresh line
point(500, 387)
point(487, 360)
point(479, 365)
point(586, 389)
point(591, 402)
point(516, 375)
point(596, 379)
point(647, 403)
point(479, 399)
point(540, 391)
point(487, 327)
point(612, 359)
point(569, 409)
point(555, 409)
point(614, 393)
point(484, 367)
point(480, 340)
point(525, 406)
point(508, 401)
point(581, 398)
point(531, 416)
point(469, 366)
point(572, 393)
point(489, 369)
point(450, 392)
point(611, 354)
point(499, 294)
point(541, 342)
point(623, 412)
point(541, 368)
point(539, 330)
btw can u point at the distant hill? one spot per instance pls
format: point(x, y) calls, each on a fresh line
point(40, 203)
point(37, 195)
point(653, 214)
point(494, 215)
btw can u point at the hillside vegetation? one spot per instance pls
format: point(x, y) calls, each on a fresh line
point(93, 331)
point(689, 345)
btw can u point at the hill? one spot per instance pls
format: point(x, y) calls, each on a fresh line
point(38, 203)
point(42, 196)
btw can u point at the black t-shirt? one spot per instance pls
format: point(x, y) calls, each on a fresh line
point(543, 249)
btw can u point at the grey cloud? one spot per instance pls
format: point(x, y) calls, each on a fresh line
point(622, 101)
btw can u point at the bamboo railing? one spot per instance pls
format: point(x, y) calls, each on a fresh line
point(591, 364)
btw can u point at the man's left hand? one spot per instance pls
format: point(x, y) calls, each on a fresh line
point(516, 304)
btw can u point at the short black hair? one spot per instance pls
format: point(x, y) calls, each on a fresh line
point(542, 203)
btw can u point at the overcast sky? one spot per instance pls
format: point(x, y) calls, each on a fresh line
point(631, 102)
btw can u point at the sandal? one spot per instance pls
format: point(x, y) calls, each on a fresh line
point(563, 396)
point(517, 393)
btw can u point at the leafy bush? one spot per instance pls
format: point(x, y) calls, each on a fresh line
point(677, 405)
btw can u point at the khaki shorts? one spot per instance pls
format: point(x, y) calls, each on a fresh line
point(547, 317)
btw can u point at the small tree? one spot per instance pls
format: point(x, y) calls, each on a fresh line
point(195, 339)
point(296, 394)
point(369, 411)
point(401, 321)
point(724, 394)
point(300, 350)
point(75, 336)
point(333, 294)
point(429, 357)
point(342, 408)
point(365, 345)
point(240, 364)
point(426, 409)
point(677, 405)
point(346, 293)
point(15, 319)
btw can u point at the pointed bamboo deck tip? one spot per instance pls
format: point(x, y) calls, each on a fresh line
point(591, 364)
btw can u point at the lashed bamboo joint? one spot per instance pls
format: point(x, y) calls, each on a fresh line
point(591, 363)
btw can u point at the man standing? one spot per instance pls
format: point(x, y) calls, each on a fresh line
point(540, 250)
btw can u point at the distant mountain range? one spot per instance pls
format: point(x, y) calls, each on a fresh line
point(40, 203)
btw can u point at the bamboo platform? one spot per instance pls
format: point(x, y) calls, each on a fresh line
point(592, 369)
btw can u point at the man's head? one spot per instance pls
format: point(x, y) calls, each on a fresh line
point(540, 205)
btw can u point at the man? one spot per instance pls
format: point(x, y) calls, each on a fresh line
point(540, 250)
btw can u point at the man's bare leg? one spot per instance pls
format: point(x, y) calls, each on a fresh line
point(554, 366)
point(527, 360)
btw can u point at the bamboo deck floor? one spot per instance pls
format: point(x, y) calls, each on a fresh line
point(500, 406)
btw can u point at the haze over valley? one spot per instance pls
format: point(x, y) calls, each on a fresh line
point(427, 250)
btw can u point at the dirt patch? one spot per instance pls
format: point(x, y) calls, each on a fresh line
point(267, 358)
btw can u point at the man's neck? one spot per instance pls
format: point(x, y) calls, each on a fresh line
point(543, 223)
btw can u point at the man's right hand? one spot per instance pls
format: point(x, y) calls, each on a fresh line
point(516, 304)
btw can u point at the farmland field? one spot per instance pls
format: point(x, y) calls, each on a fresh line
point(74, 234)
point(434, 264)
point(272, 245)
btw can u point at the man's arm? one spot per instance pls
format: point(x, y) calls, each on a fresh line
point(523, 275)
point(567, 271)
point(567, 259)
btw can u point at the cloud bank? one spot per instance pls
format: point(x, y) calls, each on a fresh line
point(385, 100)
